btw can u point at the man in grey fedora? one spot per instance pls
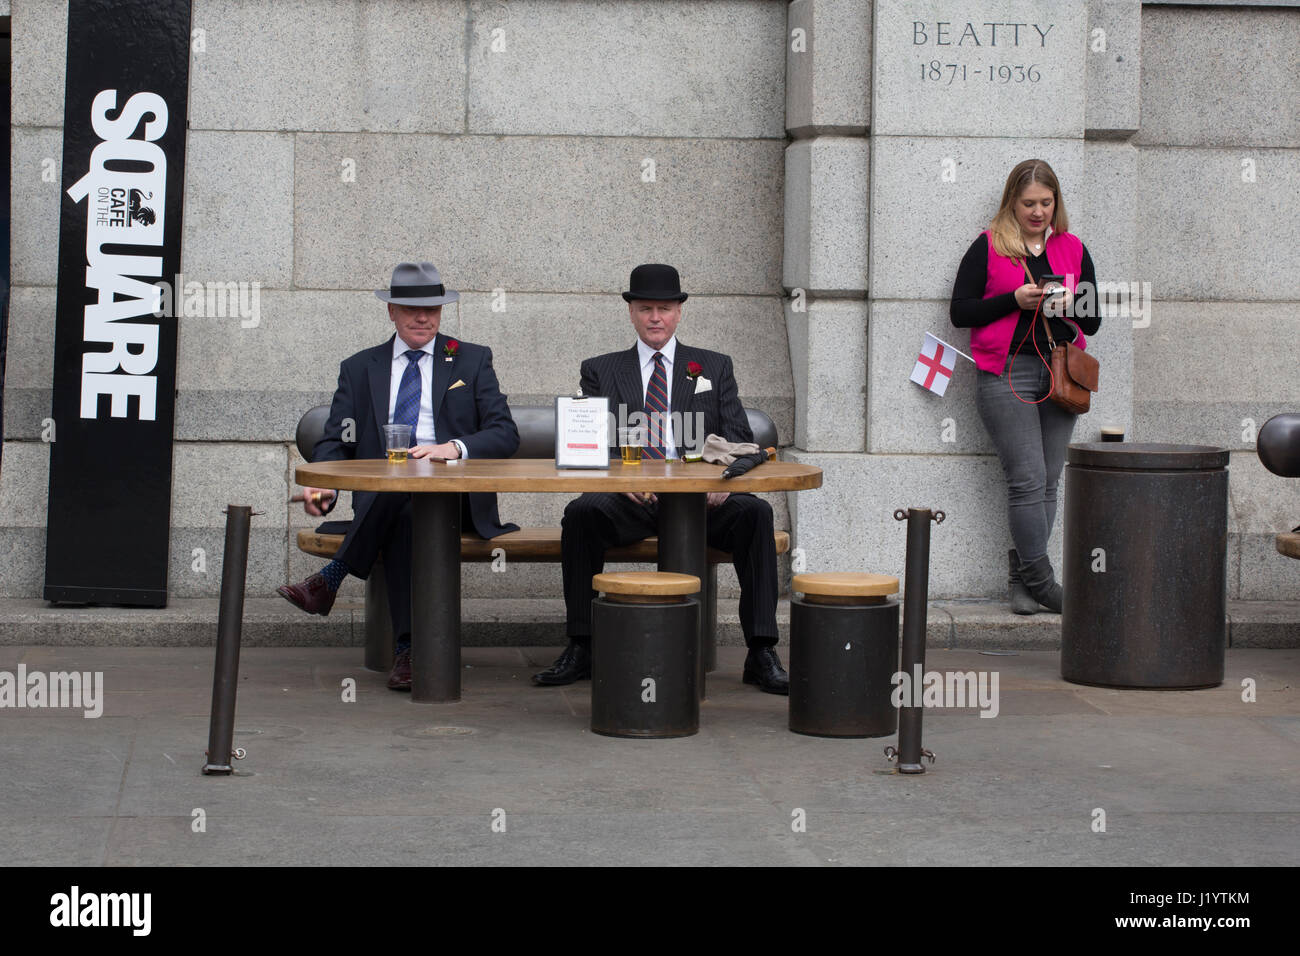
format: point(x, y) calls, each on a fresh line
point(447, 391)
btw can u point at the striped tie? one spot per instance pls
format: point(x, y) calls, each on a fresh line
point(406, 411)
point(656, 404)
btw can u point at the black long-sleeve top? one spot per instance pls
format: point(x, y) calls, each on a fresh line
point(970, 309)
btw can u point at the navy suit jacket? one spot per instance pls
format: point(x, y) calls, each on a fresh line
point(617, 376)
point(476, 413)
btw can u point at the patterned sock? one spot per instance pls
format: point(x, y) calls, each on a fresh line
point(334, 573)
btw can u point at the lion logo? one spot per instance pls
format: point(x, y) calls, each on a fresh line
point(139, 212)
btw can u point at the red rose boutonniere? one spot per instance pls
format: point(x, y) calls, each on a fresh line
point(694, 369)
point(450, 349)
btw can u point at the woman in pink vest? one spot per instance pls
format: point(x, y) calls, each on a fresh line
point(996, 296)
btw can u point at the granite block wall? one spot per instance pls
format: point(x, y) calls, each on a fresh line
point(1167, 128)
point(534, 151)
point(815, 168)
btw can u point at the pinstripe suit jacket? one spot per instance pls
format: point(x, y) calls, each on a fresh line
point(617, 376)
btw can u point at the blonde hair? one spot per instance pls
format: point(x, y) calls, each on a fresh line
point(1005, 229)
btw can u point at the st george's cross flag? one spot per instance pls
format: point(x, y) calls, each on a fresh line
point(935, 365)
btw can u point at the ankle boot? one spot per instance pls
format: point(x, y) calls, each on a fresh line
point(1022, 602)
point(1038, 578)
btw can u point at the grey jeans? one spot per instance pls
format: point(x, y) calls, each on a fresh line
point(1030, 441)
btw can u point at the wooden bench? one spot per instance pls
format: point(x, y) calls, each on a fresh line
point(1278, 447)
point(536, 426)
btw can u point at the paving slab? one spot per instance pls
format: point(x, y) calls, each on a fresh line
point(1183, 777)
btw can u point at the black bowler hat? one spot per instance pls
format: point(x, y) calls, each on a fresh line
point(657, 282)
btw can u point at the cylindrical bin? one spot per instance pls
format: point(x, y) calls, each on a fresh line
point(843, 655)
point(1145, 575)
point(645, 655)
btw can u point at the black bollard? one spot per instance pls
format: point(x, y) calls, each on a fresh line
point(915, 604)
point(230, 620)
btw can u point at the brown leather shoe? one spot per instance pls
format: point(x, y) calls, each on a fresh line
point(313, 595)
point(400, 678)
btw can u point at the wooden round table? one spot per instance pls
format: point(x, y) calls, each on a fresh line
point(436, 486)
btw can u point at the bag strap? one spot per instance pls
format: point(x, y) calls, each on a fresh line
point(1051, 342)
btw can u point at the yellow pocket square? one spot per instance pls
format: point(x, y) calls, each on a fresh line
point(459, 383)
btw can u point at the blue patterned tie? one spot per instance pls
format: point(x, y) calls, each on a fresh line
point(656, 403)
point(407, 409)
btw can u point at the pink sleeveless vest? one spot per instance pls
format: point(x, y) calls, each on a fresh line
point(990, 343)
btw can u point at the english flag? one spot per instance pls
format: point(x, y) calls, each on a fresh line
point(935, 365)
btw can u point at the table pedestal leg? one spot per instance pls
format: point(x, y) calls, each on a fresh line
point(435, 597)
point(683, 520)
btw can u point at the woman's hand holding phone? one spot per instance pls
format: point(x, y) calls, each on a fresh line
point(1053, 287)
point(1027, 296)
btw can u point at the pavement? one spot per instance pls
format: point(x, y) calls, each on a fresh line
point(973, 623)
point(512, 775)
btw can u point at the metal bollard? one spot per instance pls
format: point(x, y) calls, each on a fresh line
point(916, 595)
point(230, 620)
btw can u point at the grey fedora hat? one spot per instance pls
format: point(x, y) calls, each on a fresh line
point(417, 283)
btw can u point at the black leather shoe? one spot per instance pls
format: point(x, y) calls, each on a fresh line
point(763, 667)
point(573, 665)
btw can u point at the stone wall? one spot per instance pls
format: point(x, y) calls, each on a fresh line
point(534, 151)
point(1219, 170)
point(813, 178)
point(1147, 114)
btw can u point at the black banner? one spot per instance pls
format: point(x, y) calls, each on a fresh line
point(124, 125)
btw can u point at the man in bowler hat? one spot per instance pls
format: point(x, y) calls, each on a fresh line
point(448, 392)
point(669, 382)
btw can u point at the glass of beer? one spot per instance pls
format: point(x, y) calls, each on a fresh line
point(397, 440)
point(630, 443)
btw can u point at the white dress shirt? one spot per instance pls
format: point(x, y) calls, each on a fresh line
point(647, 356)
point(424, 430)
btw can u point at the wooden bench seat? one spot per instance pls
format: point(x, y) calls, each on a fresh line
point(533, 545)
point(1288, 543)
point(529, 544)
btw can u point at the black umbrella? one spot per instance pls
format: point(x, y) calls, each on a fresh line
point(744, 463)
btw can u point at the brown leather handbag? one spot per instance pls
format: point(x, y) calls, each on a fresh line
point(1074, 371)
point(1074, 374)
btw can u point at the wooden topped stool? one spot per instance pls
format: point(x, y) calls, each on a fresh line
point(646, 587)
point(843, 654)
point(845, 587)
point(645, 654)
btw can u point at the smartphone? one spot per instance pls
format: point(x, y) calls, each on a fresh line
point(1052, 286)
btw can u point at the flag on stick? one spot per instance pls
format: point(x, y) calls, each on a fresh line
point(935, 365)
